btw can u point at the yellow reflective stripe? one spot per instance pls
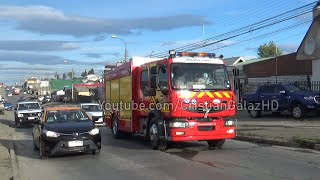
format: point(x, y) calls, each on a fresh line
point(201, 94)
point(218, 94)
point(226, 94)
point(209, 94)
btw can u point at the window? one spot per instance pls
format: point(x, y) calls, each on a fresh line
point(66, 116)
point(278, 88)
point(267, 89)
point(144, 86)
point(25, 106)
point(163, 78)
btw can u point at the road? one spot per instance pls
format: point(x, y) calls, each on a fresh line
point(132, 159)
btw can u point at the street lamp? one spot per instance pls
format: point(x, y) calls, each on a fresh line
point(126, 50)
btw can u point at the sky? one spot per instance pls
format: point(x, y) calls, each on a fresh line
point(44, 37)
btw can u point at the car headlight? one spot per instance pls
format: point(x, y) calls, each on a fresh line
point(229, 122)
point(178, 124)
point(39, 114)
point(20, 115)
point(309, 98)
point(94, 131)
point(50, 133)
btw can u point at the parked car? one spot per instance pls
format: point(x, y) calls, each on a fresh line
point(64, 130)
point(94, 110)
point(46, 99)
point(26, 112)
point(9, 94)
point(7, 106)
point(287, 97)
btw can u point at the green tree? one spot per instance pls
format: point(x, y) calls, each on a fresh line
point(269, 50)
point(57, 76)
point(84, 74)
point(64, 76)
point(91, 71)
point(70, 75)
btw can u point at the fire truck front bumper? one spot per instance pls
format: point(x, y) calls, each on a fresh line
point(201, 132)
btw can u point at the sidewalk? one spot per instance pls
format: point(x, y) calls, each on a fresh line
point(5, 134)
point(279, 130)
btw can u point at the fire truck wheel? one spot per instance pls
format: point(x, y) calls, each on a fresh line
point(154, 137)
point(115, 131)
point(216, 143)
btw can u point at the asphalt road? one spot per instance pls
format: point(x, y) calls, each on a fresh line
point(132, 159)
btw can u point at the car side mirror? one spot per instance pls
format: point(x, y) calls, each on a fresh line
point(15, 109)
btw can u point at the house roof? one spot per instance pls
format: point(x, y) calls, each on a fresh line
point(251, 61)
point(233, 60)
point(60, 84)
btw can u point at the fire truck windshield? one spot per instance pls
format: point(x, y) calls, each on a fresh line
point(199, 76)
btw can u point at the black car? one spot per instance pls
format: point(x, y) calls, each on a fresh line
point(65, 130)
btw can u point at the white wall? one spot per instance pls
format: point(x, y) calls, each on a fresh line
point(315, 70)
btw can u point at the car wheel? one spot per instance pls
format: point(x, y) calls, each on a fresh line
point(35, 148)
point(41, 153)
point(115, 130)
point(297, 111)
point(154, 136)
point(216, 143)
point(96, 152)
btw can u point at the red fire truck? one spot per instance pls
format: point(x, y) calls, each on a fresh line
point(185, 97)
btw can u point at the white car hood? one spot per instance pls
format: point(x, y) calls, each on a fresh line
point(29, 111)
point(97, 113)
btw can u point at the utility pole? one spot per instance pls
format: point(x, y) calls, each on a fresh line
point(276, 63)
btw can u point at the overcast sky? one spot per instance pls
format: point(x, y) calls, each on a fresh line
point(44, 37)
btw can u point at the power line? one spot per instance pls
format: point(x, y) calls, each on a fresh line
point(247, 29)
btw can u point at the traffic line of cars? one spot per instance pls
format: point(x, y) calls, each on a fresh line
point(60, 129)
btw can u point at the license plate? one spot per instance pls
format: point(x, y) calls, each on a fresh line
point(30, 118)
point(75, 143)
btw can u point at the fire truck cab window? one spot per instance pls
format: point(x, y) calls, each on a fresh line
point(144, 82)
point(193, 76)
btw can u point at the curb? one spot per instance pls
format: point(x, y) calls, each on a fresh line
point(14, 162)
point(297, 143)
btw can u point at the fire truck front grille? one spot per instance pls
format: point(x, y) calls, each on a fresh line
point(203, 110)
point(205, 128)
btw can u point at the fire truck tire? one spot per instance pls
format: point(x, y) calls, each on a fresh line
point(216, 143)
point(154, 136)
point(115, 131)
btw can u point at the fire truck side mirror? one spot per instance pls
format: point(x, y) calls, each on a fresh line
point(235, 71)
point(154, 70)
point(153, 82)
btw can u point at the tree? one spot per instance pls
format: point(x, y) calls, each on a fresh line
point(269, 50)
point(57, 76)
point(70, 75)
point(84, 74)
point(91, 71)
point(64, 76)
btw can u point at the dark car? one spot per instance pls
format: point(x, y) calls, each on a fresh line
point(285, 98)
point(64, 130)
point(7, 106)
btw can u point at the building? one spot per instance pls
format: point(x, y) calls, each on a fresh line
point(309, 49)
point(31, 83)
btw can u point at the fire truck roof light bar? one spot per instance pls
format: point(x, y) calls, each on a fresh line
point(191, 54)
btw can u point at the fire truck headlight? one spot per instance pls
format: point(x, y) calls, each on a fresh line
point(178, 124)
point(229, 123)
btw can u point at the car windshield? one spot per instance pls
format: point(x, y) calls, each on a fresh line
point(66, 116)
point(91, 108)
point(292, 88)
point(26, 106)
point(199, 76)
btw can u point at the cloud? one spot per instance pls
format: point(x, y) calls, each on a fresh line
point(34, 58)
point(100, 38)
point(288, 48)
point(47, 20)
point(37, 45)
point(99, 55)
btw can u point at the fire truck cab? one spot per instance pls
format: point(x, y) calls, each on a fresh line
point(185, 97)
